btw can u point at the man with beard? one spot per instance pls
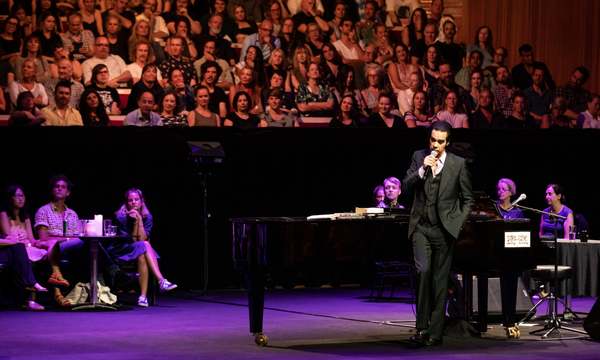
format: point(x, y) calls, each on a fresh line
point(222, 41)
point(574, 93)
point(538, 97)
point(65, 72)
point(521, 73)
point(445, 83)
point(503, 92)
point(225, 80)
point(450, 51)
point(61, 113)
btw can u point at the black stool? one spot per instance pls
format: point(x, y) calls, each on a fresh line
point(392, 274)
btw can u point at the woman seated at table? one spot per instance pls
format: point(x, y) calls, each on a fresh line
point(506, 189)
point(134, 221)
point(314, 98)
point(549, 226)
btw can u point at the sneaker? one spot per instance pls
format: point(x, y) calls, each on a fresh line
point(166, 285)
point(142, 301)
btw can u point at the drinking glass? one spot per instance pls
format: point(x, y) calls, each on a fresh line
point(106, 227)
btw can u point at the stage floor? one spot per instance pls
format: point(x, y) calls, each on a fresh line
point(301, 324)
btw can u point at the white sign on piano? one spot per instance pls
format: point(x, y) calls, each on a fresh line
point(517, 239)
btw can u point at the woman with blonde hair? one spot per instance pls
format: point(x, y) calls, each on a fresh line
point(300, 64)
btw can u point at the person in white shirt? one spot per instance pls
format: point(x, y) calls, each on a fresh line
point(117, 68)
point(590, 118)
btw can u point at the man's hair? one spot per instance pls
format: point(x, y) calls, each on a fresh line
point(525, 48)
point(276, 93)
point(538, 67)
point(584, 71)
point(512, 188)
point(442, 126)
point(209, 63)
point(393, 180)
point(60, 177)
point(64, 84)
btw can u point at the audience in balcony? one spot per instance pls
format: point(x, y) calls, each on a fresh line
point(92, 110)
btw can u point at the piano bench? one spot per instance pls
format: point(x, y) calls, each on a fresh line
point(546, 272)
point(392, 274)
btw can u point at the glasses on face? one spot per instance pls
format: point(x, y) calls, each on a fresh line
point(439, 141)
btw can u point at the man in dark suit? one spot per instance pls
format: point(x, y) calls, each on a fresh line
point(441, 184)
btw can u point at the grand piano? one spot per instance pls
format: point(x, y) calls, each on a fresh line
point(282, 247)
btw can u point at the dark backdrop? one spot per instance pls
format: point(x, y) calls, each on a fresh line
point(273, 172)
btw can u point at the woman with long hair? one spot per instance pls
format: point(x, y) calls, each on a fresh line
point(348, 115)
point(484, 43)
point(168, 111)
point(240, 117)
point(300, 63)
point(135, 222)
point(141, 31)
point(274, 12)
point(418, 114)
point(414, 31)
point(452, 113)
point(431, 64)
point(243, 27)
point(202, 116)
point(472, 99)
point(254, 61)
point(92, 109)
point(10, 41)
point(91, 18)
point(48, 34)
point(109, 95)
point(400, 69)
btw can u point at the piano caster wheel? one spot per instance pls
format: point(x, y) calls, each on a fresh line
point(261, 339)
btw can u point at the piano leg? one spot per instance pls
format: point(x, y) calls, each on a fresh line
point(468, 296)
point(255, 282)
point(482, 301)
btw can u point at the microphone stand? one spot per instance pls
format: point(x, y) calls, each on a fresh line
point(553, 323)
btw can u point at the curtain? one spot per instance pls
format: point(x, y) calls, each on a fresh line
point(564, 34)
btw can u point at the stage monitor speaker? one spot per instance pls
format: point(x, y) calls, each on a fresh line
point(592, 321)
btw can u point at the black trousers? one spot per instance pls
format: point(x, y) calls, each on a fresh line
point(508, 293)
point(433, 248)
point(16, 260)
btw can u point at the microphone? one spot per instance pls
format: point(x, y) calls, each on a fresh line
point(428, 168)
point(519, 199)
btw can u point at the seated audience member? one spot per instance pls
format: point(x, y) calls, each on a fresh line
point(62, 113)
point(538, 97)
point(347, 86)
point(308, 13)
point(277, 62)
point(405, 97)
point(392, 188)
point(276, 82)
point(289, 37)
point(334, 70)
point(23, 13)
point(590, 119)
point(385, 49)
point(521, 73)
point(348, 45)
point(263, 39)
point(168, 111)
point(558, 119)
point(348, 115)
point(413, 35)
point(26, 113)
point(315, 42)
point(383, 118)
point(300, 63)
point(61, 53)
point(243, 27)
point(365, 26)
point(58, 228)
point(555, 198)
point(78, 41)
point(375, 86)
point(92, 109)
point(118, 41)
point(463, 77)
point(484, 43)
point(452, 52)
point(431, 64)
point(519, 118)
point(485, 115)
point(49, 37)
point(499, 59)
point(225, 79)
point(182, 9)
point(141, 59)
point(210, 71)
point(378, 195)
point(10, 40)
point(175, 60)
point(400, 69)
point(182, 26)
point(141, 31)
point(275, 116)
point(313, 98)
point(13, 256)
point(202, 116)
point(159, 28)
point(574, 93)
point(418, 114)
point(452, 113)
point(115, 64)
point(184, 91)
point(335, 24)
point(148, 82)
point(506, 189)
point(65, 73)
point(254, 62)
point(135, 222)
point(15, 223)
point(240, 117)
point(217, 32)
point(100, 82)
point(120, 10)
point(248, 84)
point(439, 89)
point(144, 114)
point(91, 17)
point(29, 83)
point(475, 87)
point(503, 92)
point(274, 13)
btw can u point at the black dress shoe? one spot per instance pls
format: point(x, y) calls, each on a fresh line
point(419, 338)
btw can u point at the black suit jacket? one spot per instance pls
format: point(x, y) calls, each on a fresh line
point(454, 196)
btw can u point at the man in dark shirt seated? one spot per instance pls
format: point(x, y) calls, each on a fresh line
point(222, 41)
point(452, 52)
point(538, 96)
point(574, 93)
point(521, 73)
